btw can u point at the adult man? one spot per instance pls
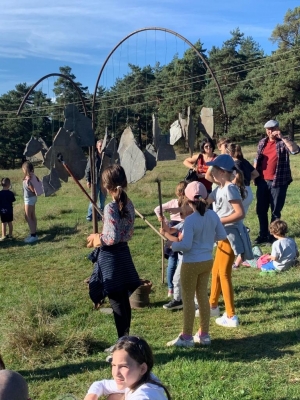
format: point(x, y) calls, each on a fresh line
point(12, 386)
point(99, 191)
point(273, 164)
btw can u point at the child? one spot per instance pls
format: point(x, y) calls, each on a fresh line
point(229, 207)
point(6, 208)
point(30, 200)
point(284, 249)
point(132, 362)
point(175, 219)
point(176, 303)
point(201, 229)
point(119, 275)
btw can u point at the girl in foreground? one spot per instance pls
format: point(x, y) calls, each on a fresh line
point(132, 362)
point(201, 229)
point(118, 272)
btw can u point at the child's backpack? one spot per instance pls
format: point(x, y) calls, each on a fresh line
point(264, 259)
point(37, 185)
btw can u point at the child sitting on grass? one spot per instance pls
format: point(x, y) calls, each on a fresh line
point(284, 250)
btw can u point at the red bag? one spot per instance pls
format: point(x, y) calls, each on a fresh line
point(264, 259)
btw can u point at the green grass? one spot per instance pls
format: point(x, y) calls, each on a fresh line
point(51, 335)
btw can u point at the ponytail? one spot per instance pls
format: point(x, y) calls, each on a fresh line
point(120, 198)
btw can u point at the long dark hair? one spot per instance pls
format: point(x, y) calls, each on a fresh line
point(28, 168)
point(140, 351)
point(235, 151)
point(115, 181)
point(207, 141)
point(180, 192)
point(200, 205)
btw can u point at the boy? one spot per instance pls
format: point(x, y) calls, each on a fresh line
point(6, 208)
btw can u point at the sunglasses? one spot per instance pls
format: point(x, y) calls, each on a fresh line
point(208, 147)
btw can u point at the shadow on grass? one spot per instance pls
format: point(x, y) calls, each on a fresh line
point(46, 374)
point(265, 345)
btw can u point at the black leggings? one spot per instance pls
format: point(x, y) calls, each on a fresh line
point(119, 302)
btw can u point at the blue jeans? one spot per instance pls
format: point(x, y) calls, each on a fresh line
point(172, 264)
point(101, 202)
point(268, 196)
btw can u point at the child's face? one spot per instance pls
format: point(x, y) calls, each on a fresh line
point(125, 370)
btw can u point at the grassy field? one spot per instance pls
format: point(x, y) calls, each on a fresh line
point(51, 335)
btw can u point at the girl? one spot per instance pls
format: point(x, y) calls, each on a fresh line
point(132, 362)
point(200, 231)
point(199, 162)
point(230, 209)
point(114, 260)
point(30, 200)
point(175, 219)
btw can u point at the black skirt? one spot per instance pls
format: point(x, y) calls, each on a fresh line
point(117, 269)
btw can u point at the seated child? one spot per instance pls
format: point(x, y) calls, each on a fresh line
point(284, 249)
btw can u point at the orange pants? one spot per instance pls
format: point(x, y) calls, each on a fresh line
point(221, 277)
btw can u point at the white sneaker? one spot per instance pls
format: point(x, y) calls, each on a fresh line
point(31, 239)
point(204, 340)
point(232, 322)
point(215, 312)
point(181, 342)
point(197, 313)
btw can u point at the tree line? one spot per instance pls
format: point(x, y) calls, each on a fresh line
point(256, 87)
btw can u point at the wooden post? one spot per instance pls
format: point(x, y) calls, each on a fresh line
point(162, 241)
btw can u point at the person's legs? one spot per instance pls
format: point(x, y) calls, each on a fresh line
point(201, 293)
point(176, 280)
point(262, 207)
point(278, 196)
point(172, 264)
point(248, 200)
point(10, 228)
point(221, 277)
point(102, 198)
point(215, 290)
point(31, 218)
point(120, 304)
point(3, 226)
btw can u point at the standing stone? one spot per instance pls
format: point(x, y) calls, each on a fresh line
point(80, 125)
point(51, 182)
point(191, 132)
point(175, 132)
point(34, 147)
point(134, 163)
point(155, 131)
point(206, 122)
point(150, 156)
point(165, 150)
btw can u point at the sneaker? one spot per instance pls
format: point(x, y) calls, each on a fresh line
point(197, 314)
point(89, 219)
point(234, 266)
point(261, 239)
point(204, 340)
point(170, 293)
point(271, 239)
point(215, 312)
point(4, 238)
point(31, 239)
point(181, 342)
point(109, 359)
point(232, 322)
point(173, 305)
point(109, 349)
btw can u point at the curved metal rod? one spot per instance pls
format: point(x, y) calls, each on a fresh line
point(180, 37)
point(45, 77)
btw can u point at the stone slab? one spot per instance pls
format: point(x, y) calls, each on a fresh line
point(51, 182)
point(80, 125)
point(165, 150)
point(35, 146)
point(175, 132)
point(191, 131)
point(206, 123)
point(150, 157)
point(134, 163)
point(156, 131)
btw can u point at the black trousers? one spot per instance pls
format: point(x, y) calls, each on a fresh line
point(268, 196)
point(120, 304)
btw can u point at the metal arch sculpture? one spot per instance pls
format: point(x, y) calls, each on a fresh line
point(180, 37)
point(48, 76)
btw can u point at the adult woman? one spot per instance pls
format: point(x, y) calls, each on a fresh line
point(198, 162)
point(201, 229)
point(132, 362)
point(119, 275)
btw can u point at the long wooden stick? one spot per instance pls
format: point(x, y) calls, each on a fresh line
point(149, 224)
point(161, 224)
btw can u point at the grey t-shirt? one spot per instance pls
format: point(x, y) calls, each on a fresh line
point(222, 197)
point(285, 250)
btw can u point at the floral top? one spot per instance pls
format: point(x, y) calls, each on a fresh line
point(115, 228)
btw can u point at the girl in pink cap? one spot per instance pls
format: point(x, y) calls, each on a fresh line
point(200, 231)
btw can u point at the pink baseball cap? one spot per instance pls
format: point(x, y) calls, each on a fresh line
point(194, 190)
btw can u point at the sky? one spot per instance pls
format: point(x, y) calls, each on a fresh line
point(37, 37)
